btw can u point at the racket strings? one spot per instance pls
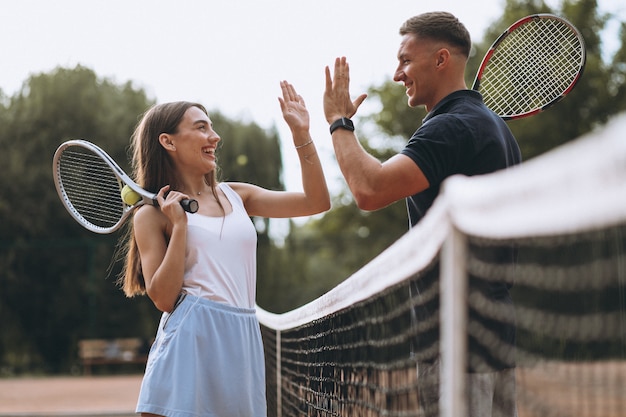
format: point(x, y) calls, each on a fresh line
point(532, 67)
point(91, 187)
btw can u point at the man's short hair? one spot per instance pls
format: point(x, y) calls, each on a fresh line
point(439, 26)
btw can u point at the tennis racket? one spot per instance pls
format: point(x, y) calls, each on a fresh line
point(532, 65)
point(90, 185)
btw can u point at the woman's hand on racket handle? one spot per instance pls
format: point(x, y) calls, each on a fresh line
point(169, 203)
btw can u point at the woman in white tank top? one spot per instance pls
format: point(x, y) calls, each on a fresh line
point(200, 269)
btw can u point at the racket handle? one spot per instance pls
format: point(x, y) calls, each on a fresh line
point(189, 205)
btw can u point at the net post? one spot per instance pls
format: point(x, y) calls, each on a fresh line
point(453, 401)
point(279, 393)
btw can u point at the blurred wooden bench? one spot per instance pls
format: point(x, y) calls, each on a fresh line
point(111, 352)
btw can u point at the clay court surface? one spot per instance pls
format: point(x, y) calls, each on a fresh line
point(69, 396)
point(551, 389)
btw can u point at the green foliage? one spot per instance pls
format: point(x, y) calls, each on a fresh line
point(324, 252)
point(51, 108)
point(54, 287)
point(600, 94)
point(591, 103)
point(617, 79)
point(248, 153)
point(57, 281)
point(395, 118)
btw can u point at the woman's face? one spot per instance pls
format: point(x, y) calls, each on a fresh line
point(195, 141)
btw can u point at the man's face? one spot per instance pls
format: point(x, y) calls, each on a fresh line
point(417, 61)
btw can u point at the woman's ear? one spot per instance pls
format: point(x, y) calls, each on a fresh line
point(166, 141)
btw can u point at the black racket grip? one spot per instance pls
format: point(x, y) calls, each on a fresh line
point(189, 205)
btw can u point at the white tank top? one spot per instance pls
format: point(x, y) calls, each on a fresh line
point(220, 260)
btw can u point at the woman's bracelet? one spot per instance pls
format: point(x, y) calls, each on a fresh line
point(305, 144)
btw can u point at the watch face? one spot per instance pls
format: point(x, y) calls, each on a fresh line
point(344, 123)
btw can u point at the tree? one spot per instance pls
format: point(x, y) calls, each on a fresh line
point(326, 250)
point(57, 283)
point(599, 95)
point(53, 272)
point(57, 279)
point(617, 82)
point(334, 245)
point(591, 103)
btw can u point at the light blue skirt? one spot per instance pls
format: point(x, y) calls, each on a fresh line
point(207, 360)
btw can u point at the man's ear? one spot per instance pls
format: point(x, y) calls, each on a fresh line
point(166, 141)
point(442, 57)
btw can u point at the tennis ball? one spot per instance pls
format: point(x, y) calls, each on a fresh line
point(129, 196)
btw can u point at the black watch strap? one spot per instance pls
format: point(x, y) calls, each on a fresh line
point(343, 123)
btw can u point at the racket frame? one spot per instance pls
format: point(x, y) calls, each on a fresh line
point(122, 178)
point(511, 29)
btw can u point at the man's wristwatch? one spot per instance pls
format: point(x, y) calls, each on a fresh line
point(343, 123)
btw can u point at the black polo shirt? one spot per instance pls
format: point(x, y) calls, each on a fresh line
point(459, 136)
point(462, 136)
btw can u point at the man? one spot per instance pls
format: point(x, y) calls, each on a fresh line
point(459, 135)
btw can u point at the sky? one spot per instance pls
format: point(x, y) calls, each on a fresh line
point(229, 55)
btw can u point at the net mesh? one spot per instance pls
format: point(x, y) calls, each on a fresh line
point(552, 229)
point(358, 361)
point(570, 306)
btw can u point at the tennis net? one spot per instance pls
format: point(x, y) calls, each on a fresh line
point(552, 230)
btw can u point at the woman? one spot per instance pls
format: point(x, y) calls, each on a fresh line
point(200, 269)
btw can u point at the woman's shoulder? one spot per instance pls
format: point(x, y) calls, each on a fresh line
point(242, 189)
point(148, 216)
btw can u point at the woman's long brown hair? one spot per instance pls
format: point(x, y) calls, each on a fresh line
point(153, 169)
